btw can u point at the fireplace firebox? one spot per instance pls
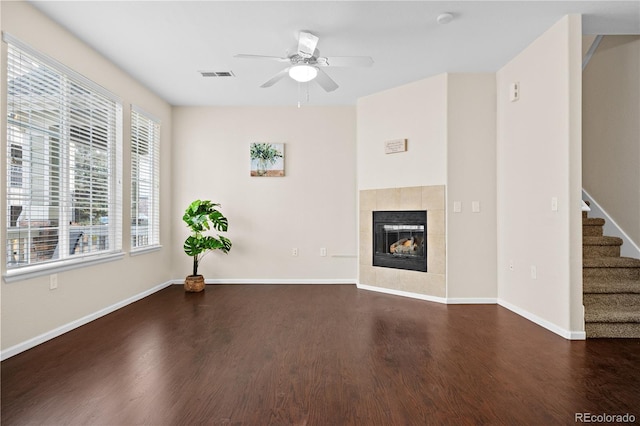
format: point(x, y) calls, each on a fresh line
point(399, 239)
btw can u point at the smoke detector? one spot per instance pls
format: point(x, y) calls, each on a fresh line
point(444, 18)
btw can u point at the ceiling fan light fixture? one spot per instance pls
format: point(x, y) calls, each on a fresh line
point(303, 73)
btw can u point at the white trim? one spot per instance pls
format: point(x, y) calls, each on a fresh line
point(145, 250)
point(629, 248)
point(137, 109)
point(472, 300)
point(567, 334)
point(28, 344)
point(403, 293)
point(445, 300)
point(273, 281)
point(591, 51)
point(41, 269)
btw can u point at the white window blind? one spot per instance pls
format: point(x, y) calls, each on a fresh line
point(145, 161)
point(64, 163)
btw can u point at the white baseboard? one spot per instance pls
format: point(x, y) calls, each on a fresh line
point(273, 281)
point(629, 247)
point(28, 344)
point(402, 293)
point(567, 334)
point(472, 300)
point(445, 300)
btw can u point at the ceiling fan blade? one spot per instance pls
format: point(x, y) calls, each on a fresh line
point(276, 78)
point(348, 61)
point(307, 43)
point(326, 82)
point(270, 58)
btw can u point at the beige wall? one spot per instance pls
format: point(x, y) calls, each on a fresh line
point(416, 112)
point(539, 158)
point(312, 206)
point(611, 130)
point(29, 308)
point(471, 176)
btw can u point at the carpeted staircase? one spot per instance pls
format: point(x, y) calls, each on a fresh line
point(611, 284)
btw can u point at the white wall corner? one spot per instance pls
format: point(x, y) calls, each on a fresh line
point(567, 334)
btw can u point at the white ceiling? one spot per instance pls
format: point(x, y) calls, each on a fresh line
point(164, 44)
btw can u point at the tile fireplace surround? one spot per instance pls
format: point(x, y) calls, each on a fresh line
point(430, 198)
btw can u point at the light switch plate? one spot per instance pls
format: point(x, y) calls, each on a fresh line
point(514, 91)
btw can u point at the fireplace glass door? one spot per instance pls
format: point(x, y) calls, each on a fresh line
point(400, 239)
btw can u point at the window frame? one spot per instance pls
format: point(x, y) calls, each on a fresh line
point(61, 197)
point(153, 125)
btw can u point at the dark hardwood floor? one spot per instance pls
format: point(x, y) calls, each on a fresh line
point(315, 355)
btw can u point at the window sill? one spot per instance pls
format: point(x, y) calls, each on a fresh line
point(144, 250)
point(56, 267)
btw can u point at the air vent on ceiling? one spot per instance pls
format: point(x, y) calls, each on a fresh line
point(217, 73)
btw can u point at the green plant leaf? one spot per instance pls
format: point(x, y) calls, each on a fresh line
point(201, 216)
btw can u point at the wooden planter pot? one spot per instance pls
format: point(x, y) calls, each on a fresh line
point(194, 283)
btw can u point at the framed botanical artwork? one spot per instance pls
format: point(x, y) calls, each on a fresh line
point(267, 159)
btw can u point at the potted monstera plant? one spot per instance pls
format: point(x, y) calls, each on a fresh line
point(202, 216)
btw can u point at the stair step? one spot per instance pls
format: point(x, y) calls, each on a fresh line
point(601, 246)
point(604, 314)
point(601, 241)
point(592, 226)
point(613, 287)
point(611, 301)
point(614, 330)
point(611, 262)
point(607, 322)
point(610, 268)
point(593, 221)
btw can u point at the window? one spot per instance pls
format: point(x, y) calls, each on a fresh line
point(15, 169)
point(145, 206)
point(64, 148)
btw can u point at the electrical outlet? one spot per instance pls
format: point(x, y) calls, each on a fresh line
point(511, 268)
point(294, 252)
point(323, 252)
point(534, 272)
point(53, 281)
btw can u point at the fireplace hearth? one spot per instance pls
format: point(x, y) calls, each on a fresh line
point(399, 239)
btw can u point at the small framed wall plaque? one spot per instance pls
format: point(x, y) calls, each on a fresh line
point(395, 146)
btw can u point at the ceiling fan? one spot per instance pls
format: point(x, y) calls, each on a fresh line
point(306, 64)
